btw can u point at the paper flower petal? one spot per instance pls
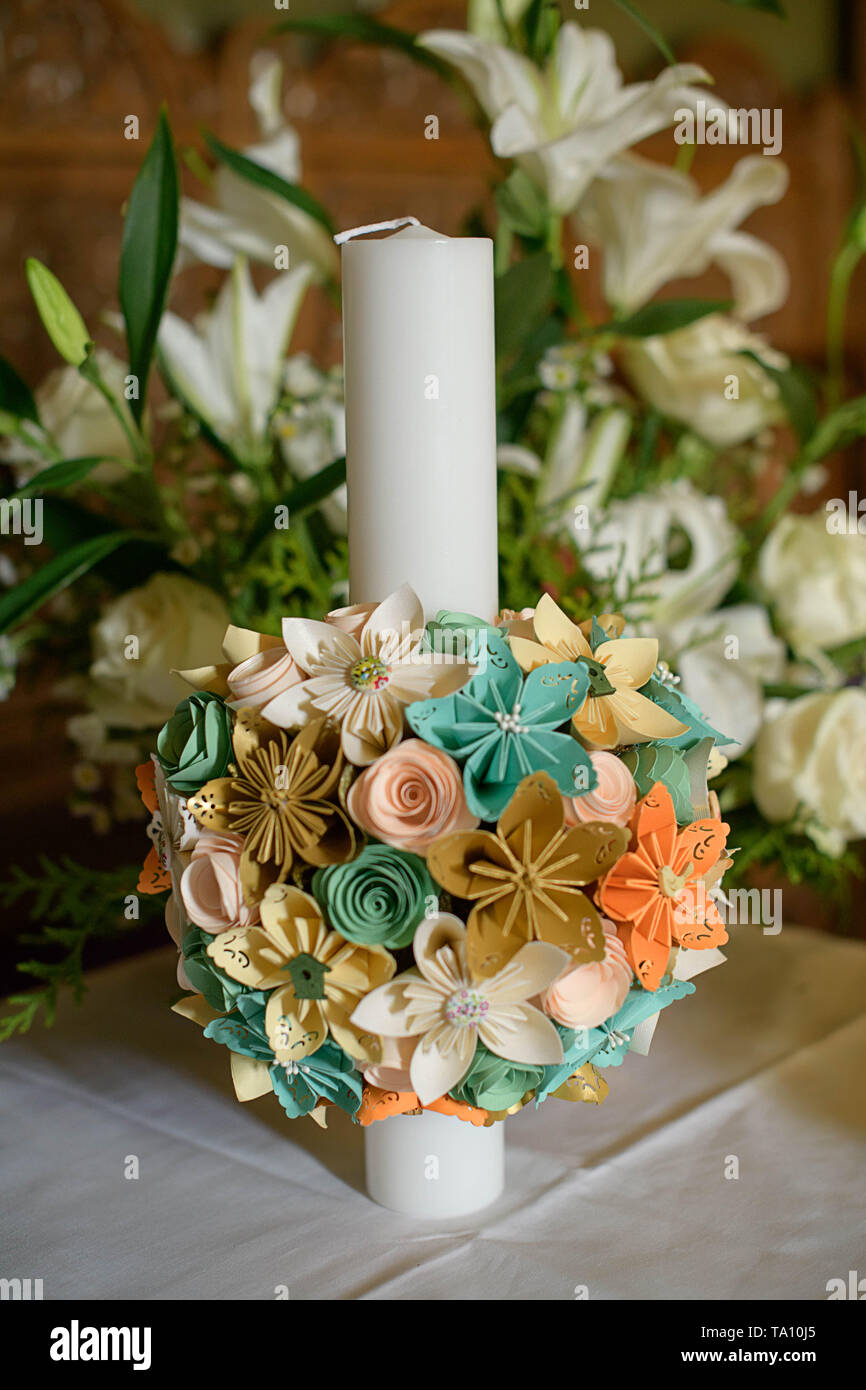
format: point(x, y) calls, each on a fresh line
point(521, 1033)
point(440, 1061)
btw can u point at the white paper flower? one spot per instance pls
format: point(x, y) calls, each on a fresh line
point(449, 1011)
point(724, 659)
point(654, 226)
point(634, 541)
point(565, 122)
point(810, 764)
point(697, 375)
point(364, 682)
point(229, 365)
point(246, 219)
point(816, 582)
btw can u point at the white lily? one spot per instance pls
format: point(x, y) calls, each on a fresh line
point(654, 226)
point(564, 122)
point(229, 365)
point(632, 542)
point(724, 659)
point(247, 220)
point(581, 461)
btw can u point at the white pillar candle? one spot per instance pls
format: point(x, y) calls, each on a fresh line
point(418, 339)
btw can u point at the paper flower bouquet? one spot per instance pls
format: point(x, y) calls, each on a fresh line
point(452, 867)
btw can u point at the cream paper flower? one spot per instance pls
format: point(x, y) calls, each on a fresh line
point(449, 1011)
point(654, 226)
point(363, 683)
point(564, 122)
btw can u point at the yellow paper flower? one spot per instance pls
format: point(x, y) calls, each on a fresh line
point(614, 712)
point(317, 977)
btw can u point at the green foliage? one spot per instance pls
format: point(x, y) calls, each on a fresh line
point(56, 574)
point(266, 178)
point(359, 29)
point(665, 316)
point(69, 905)
point(147, 254)
point(793, 857)
point(60, 318)
point(16, 398)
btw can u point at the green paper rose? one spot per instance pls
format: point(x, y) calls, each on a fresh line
point(378, 899)
point(196, 743)
point(492, 1083)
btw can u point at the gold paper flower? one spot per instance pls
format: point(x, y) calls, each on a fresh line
point(317, 977)
point(613, 712)
point(525, 879)
point(282, 798)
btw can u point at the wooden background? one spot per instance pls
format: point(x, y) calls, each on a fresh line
point(72, 70)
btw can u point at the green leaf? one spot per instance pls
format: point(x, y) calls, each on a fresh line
point(522, 205)
point(59, 475)
point(362, 30)
point(541, 24)
point(796, 393)
point(301, 498)
point(664, 316)
point(60, 318)
point(768, 6)
point(58, 573)
point(523, 297)
point(15, 396)
point(147, 254)
point(256, 173)
point(838, 429)
point(648, 27)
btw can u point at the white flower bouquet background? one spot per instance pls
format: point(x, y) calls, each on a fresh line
point(190, 469)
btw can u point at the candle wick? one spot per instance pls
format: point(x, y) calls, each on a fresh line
point(391, 226)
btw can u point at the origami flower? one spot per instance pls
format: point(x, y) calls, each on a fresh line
point(450, 1010)
point(614, 711)
point(379, 898)
point(326, 1077)
point(409, 796)
point(172, 830)
point(196, 743)
point(211, 884)
point(585, 997)
point(504, 727)
point(608, 1045)
point(614, 795)
point(657, 892)
point(524, 880)
point(380, 1104)
point(316, 977)
point(282, 798)
point(492, 1083)
point(244, 652)
point(363, 683)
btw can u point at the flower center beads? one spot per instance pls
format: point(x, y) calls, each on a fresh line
point(371, 673)
point(466, 1008)
point(509, 722)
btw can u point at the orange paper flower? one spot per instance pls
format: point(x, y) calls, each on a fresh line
point(658, 892)
point(379, 1105)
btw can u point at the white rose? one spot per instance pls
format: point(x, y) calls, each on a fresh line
point(810, 763)
point(177, 623)
point(816, 581)
point(635, 539)
point(692, 373)
point(79, 419)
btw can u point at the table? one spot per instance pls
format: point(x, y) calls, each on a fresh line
point(764, 1065)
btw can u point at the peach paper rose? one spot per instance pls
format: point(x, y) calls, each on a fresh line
point(410, 796)
point(586, 996)
point(211, 884)
point(259, 679)
point(612, 800)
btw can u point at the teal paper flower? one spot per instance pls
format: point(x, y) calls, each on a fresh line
point(503, 727)
point(687, 712)
point(607, 1045)
point(649, 763)
point(326, 1075)
point(492, 1083)
point(204, 976)
point(458, 634)
point(378, 899)
point(196, 744)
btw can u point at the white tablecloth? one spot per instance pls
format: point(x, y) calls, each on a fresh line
point(766, 1063)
